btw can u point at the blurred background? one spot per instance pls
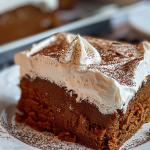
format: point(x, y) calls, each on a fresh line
point(25, 22)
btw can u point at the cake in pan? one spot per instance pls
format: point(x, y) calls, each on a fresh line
point(23, 18)
point(86, 90)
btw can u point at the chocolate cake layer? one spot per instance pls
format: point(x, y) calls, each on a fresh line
point(46, 106)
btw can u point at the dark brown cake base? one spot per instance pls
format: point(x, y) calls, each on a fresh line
point(46, 106)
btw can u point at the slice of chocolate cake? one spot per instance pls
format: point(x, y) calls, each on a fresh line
point(86, 90)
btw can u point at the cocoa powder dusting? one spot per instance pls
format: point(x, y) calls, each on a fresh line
point(41, 140)
point(47, 140)
point(119, 60)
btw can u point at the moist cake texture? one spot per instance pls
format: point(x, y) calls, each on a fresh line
point(85, 90)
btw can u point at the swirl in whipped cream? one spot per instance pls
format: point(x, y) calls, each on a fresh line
point(80, 53)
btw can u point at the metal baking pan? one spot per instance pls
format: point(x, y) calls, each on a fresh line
point(96, 25)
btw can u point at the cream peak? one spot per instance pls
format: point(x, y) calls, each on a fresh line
point(80, 53)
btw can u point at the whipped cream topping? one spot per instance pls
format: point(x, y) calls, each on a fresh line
point(44, 5)
point(101, 90)
point(143, 68)
point(36, 48)
point(80, 53)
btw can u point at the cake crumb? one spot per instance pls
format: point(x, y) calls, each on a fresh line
point(71, 108)
point(145, 85)
point(58, 109)
point(147, 76)
point(149, 132)
point(131, 55)
point(78, 100)
point(67, 136)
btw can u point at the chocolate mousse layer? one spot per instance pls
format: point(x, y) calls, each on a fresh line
point(48, 107)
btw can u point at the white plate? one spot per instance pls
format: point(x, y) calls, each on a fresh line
point(13, 136)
